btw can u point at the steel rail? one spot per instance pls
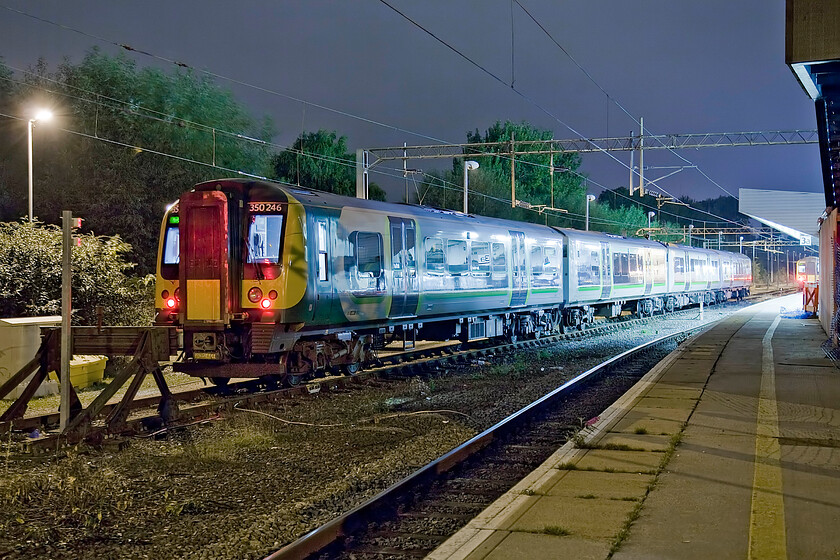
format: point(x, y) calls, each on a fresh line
point(349, 523)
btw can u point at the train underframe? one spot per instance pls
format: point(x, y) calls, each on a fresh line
point(235, 352)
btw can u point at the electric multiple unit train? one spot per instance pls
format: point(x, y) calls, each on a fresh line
point(282, 281)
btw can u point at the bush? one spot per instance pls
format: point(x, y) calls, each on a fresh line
point(30, 276)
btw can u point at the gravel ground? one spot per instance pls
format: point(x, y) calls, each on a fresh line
point(242, 486)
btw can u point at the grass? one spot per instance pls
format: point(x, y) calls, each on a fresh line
point(556, 530)
point(587, 497)
point(634, 514)
point(641, 430)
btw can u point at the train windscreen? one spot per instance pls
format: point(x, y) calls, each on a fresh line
point(264, 238)
point(172, 245)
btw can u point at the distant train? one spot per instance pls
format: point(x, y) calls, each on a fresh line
point(808, 271)
point(275, 280)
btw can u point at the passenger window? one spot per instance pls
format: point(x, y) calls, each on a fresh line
point(551, 260)
point(537, 263)
point(588, 266)
point(499, 259)
point(366, 274)
point(480, 258)
point(435, 261)
point(322, 251)
point(679, 265)
point(456, 256)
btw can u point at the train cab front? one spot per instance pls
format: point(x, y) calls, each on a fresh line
point(220, 268)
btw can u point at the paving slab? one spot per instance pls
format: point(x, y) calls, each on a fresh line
point(644, 442)
point(525, 546)
point(619, 461)
point(602, 485)
point(601, 519)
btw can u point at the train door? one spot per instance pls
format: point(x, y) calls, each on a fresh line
point(404, 285)
point(204, 273)
point(648, 271)
point(606, 270)
point(519, 292)
point(324, 234)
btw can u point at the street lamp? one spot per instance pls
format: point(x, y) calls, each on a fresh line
point(468, 166)
point(43, 115)
point(690, 227)
point(589, 198)
point(651, 214)
point(741, 245)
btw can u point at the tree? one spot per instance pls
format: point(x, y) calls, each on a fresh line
point(99, 175)
point(30, 276)
point(319, 160)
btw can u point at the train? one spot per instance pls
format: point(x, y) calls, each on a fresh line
point(808, 271)
point(281, 281)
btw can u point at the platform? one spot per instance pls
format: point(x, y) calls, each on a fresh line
point(729, 448)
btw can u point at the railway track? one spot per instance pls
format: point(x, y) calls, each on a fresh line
point(414, 516)
point(208, 402)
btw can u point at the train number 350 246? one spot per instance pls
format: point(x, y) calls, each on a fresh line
point(265, 207)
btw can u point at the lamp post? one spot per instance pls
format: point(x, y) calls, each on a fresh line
point(468, 166)
point(651, 214)
point(690, 227)
point(741, 245)
point(41, 116)
point(589, 198)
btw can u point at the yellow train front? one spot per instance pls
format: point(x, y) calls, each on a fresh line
point(233, 273)
point(808, 271)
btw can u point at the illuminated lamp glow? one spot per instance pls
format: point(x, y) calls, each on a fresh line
point(170, 303)
point(265, 303)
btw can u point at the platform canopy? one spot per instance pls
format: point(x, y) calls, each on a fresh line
point(793, 213)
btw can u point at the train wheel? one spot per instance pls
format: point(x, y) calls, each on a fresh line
point(352, 368)
point(293, 379)
point(220, 381)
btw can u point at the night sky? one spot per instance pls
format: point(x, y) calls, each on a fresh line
point(710, 66)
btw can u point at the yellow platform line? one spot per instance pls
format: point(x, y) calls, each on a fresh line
point(767, 513)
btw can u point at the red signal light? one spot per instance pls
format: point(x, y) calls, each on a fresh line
point(265, 303)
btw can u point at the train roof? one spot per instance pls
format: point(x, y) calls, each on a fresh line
point(314, 198)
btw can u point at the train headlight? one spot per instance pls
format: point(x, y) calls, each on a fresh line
point(254, 294)
point(164, 294)
point(177, 294)
point(265, 303)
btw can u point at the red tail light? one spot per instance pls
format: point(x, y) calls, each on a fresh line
point(265, 303)
point(171, 303)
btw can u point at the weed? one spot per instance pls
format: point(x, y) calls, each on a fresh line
point(641, 430)
point(528, 492)
point(556, 530)
point(587, 497)
point(566, 467)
